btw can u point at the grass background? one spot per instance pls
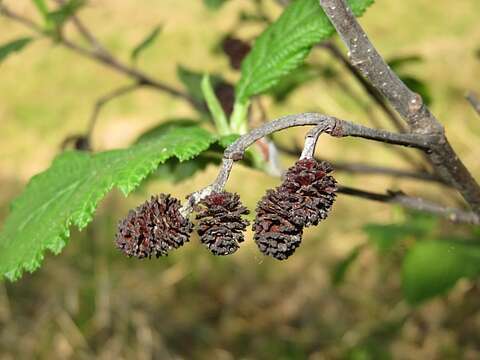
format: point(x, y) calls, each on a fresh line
point(92, 302)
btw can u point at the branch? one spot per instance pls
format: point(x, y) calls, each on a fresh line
point(337, 128)
point(360, 168)
point(408, 104)
point(101, 56)
point(375, 96)
point(325, 124)
point(369, 89)
point(474, 101)
point(415, 203)
point(332, 126)
point(101, 102)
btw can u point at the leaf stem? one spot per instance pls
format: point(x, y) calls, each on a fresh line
point(238, 120)
point(216, 110)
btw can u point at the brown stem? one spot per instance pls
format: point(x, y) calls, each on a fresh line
point(367, 169)
point(415, 203)
point(408, 104)
point(375, 96)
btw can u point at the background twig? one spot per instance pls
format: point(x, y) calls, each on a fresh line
point(474, 101)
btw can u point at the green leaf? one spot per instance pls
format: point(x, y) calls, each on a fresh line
point(145, 43)
point(386, 236)
point(214, 4)
point(283, 46)
point(289, 83)
point(340, 270)
point(68, 192)
point(60, 16)
point(431, 268)
point(216, 110)
point(160, 130)
point(177, 171)
point(13, 46)
point(398, 62)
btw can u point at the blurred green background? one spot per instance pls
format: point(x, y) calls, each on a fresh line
point(92, 302)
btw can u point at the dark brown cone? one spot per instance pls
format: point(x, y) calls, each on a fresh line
point(303, 199)
point(312, 189)
point(220, 225)
point(154, 228)
point(278, 231)
point(236, 50)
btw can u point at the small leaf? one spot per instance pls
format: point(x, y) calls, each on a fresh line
point(341, 268)
point(60, 16)
point(42, 8)
point(68, 192)
point(145, 43)
point(283, 46)
point(13, 46)
point(431, 268)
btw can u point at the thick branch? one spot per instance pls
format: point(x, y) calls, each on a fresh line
point(376, 97)
point(415, 203)
point(407, 103)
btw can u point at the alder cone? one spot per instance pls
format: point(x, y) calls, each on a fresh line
point(303, 199)
point(312, 188)
point(153, 228)
point(221, 225)
point(278, 230)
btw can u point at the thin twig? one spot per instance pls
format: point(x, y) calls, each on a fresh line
point(415, 203)
point(85, 32)
point(104, 58)
point(367, 169)
point(474, 101)
point(408, 104)
point(101, 102)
